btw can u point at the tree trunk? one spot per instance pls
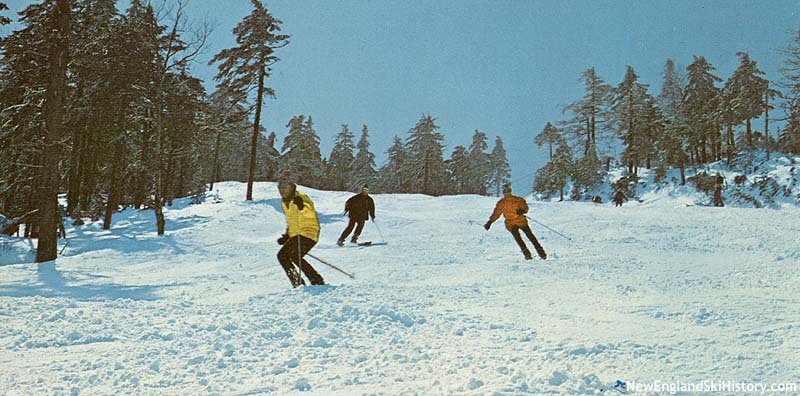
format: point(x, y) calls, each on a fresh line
point(10, 195)
point(169, 177)
point(256, 127)
point(215, 169)
point(588, 137)
point(53, 117)
point(76, 159)
point(749, 134)
point(731, 143)
point(766, 123)
point(113, 194)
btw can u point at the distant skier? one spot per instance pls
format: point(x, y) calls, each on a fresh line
point(619, 198)
point(302, 233)
point(513, 208)
point(718, 183)
point(359, 207)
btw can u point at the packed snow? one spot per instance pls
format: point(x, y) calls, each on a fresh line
point(652, 291)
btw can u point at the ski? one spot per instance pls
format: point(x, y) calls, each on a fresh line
point(370, 243)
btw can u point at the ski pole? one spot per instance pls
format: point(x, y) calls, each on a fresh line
point(330, 265)
point(379, 231)
point(568, 238)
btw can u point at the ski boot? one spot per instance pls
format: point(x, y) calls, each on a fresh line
point(340, 242)
point(527, 255)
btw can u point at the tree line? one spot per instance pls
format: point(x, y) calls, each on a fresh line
point(696, 118)
point(100, 107)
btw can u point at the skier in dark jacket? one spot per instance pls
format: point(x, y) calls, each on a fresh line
point(719, 182)
point(359, 207)
point(619, 198)
point(513, 208)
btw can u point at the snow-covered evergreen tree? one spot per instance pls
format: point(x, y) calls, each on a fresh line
point(553, 177)
point(789, 138)
point(746, 88)
point(458, 168)
point(244, 68)
point(627, 116)
point(479, 165)
point(301, 161)
point(588, 111)
point(550, 136)
point(424, 168)
point(340, 162)
point(364, 164)
point(700, 103)
point(586, 173)
point(500, 170)
point(672, 142)
point(391, 179)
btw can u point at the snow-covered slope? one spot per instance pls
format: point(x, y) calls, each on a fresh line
point(750, 181)
point(646, 292)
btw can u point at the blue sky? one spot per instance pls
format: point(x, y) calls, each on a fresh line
point(505, 68)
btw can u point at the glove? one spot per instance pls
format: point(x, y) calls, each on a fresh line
point(520, 212)
point(487, 225)
point(299, 202)
point(283, 239)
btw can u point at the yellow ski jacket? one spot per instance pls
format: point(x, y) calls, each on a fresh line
point(301, 222)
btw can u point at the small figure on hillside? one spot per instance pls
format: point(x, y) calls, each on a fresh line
point(619, 198)
point(358, 207)
point(719, 181)
point(513, 208)
point(302, 233)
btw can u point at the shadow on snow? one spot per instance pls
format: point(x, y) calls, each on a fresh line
point(50, 282)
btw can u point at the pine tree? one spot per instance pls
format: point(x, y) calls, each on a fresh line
point(627, 115)
point(301, 161)
point(789, 139)
point(364, 164)
point(585, 173)
point(549, 135)
point(478, 165)
point(700, 103)
point(425, 168)
point(391, 175)
point(500, 170)
point(670, 145)
point(554, 175)
point(59, 15)
point(746, 89)
point(3, 19)
point(589, 110)
point(457, 167)
point(246, 66)
point(23, 76)
point(340, 162)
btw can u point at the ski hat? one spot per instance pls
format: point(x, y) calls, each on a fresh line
point(284, 183)
point(365, 185)
point(507, 187)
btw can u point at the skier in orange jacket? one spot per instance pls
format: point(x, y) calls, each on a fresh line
point(513, 208)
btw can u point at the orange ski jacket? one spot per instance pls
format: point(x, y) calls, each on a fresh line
point(508, 207)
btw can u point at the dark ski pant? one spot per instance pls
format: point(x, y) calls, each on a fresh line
point(527, 230)
point(358, 224)
point(291, 257)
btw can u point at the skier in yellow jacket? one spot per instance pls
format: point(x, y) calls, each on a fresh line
point(513, 208)
point(302, 233)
